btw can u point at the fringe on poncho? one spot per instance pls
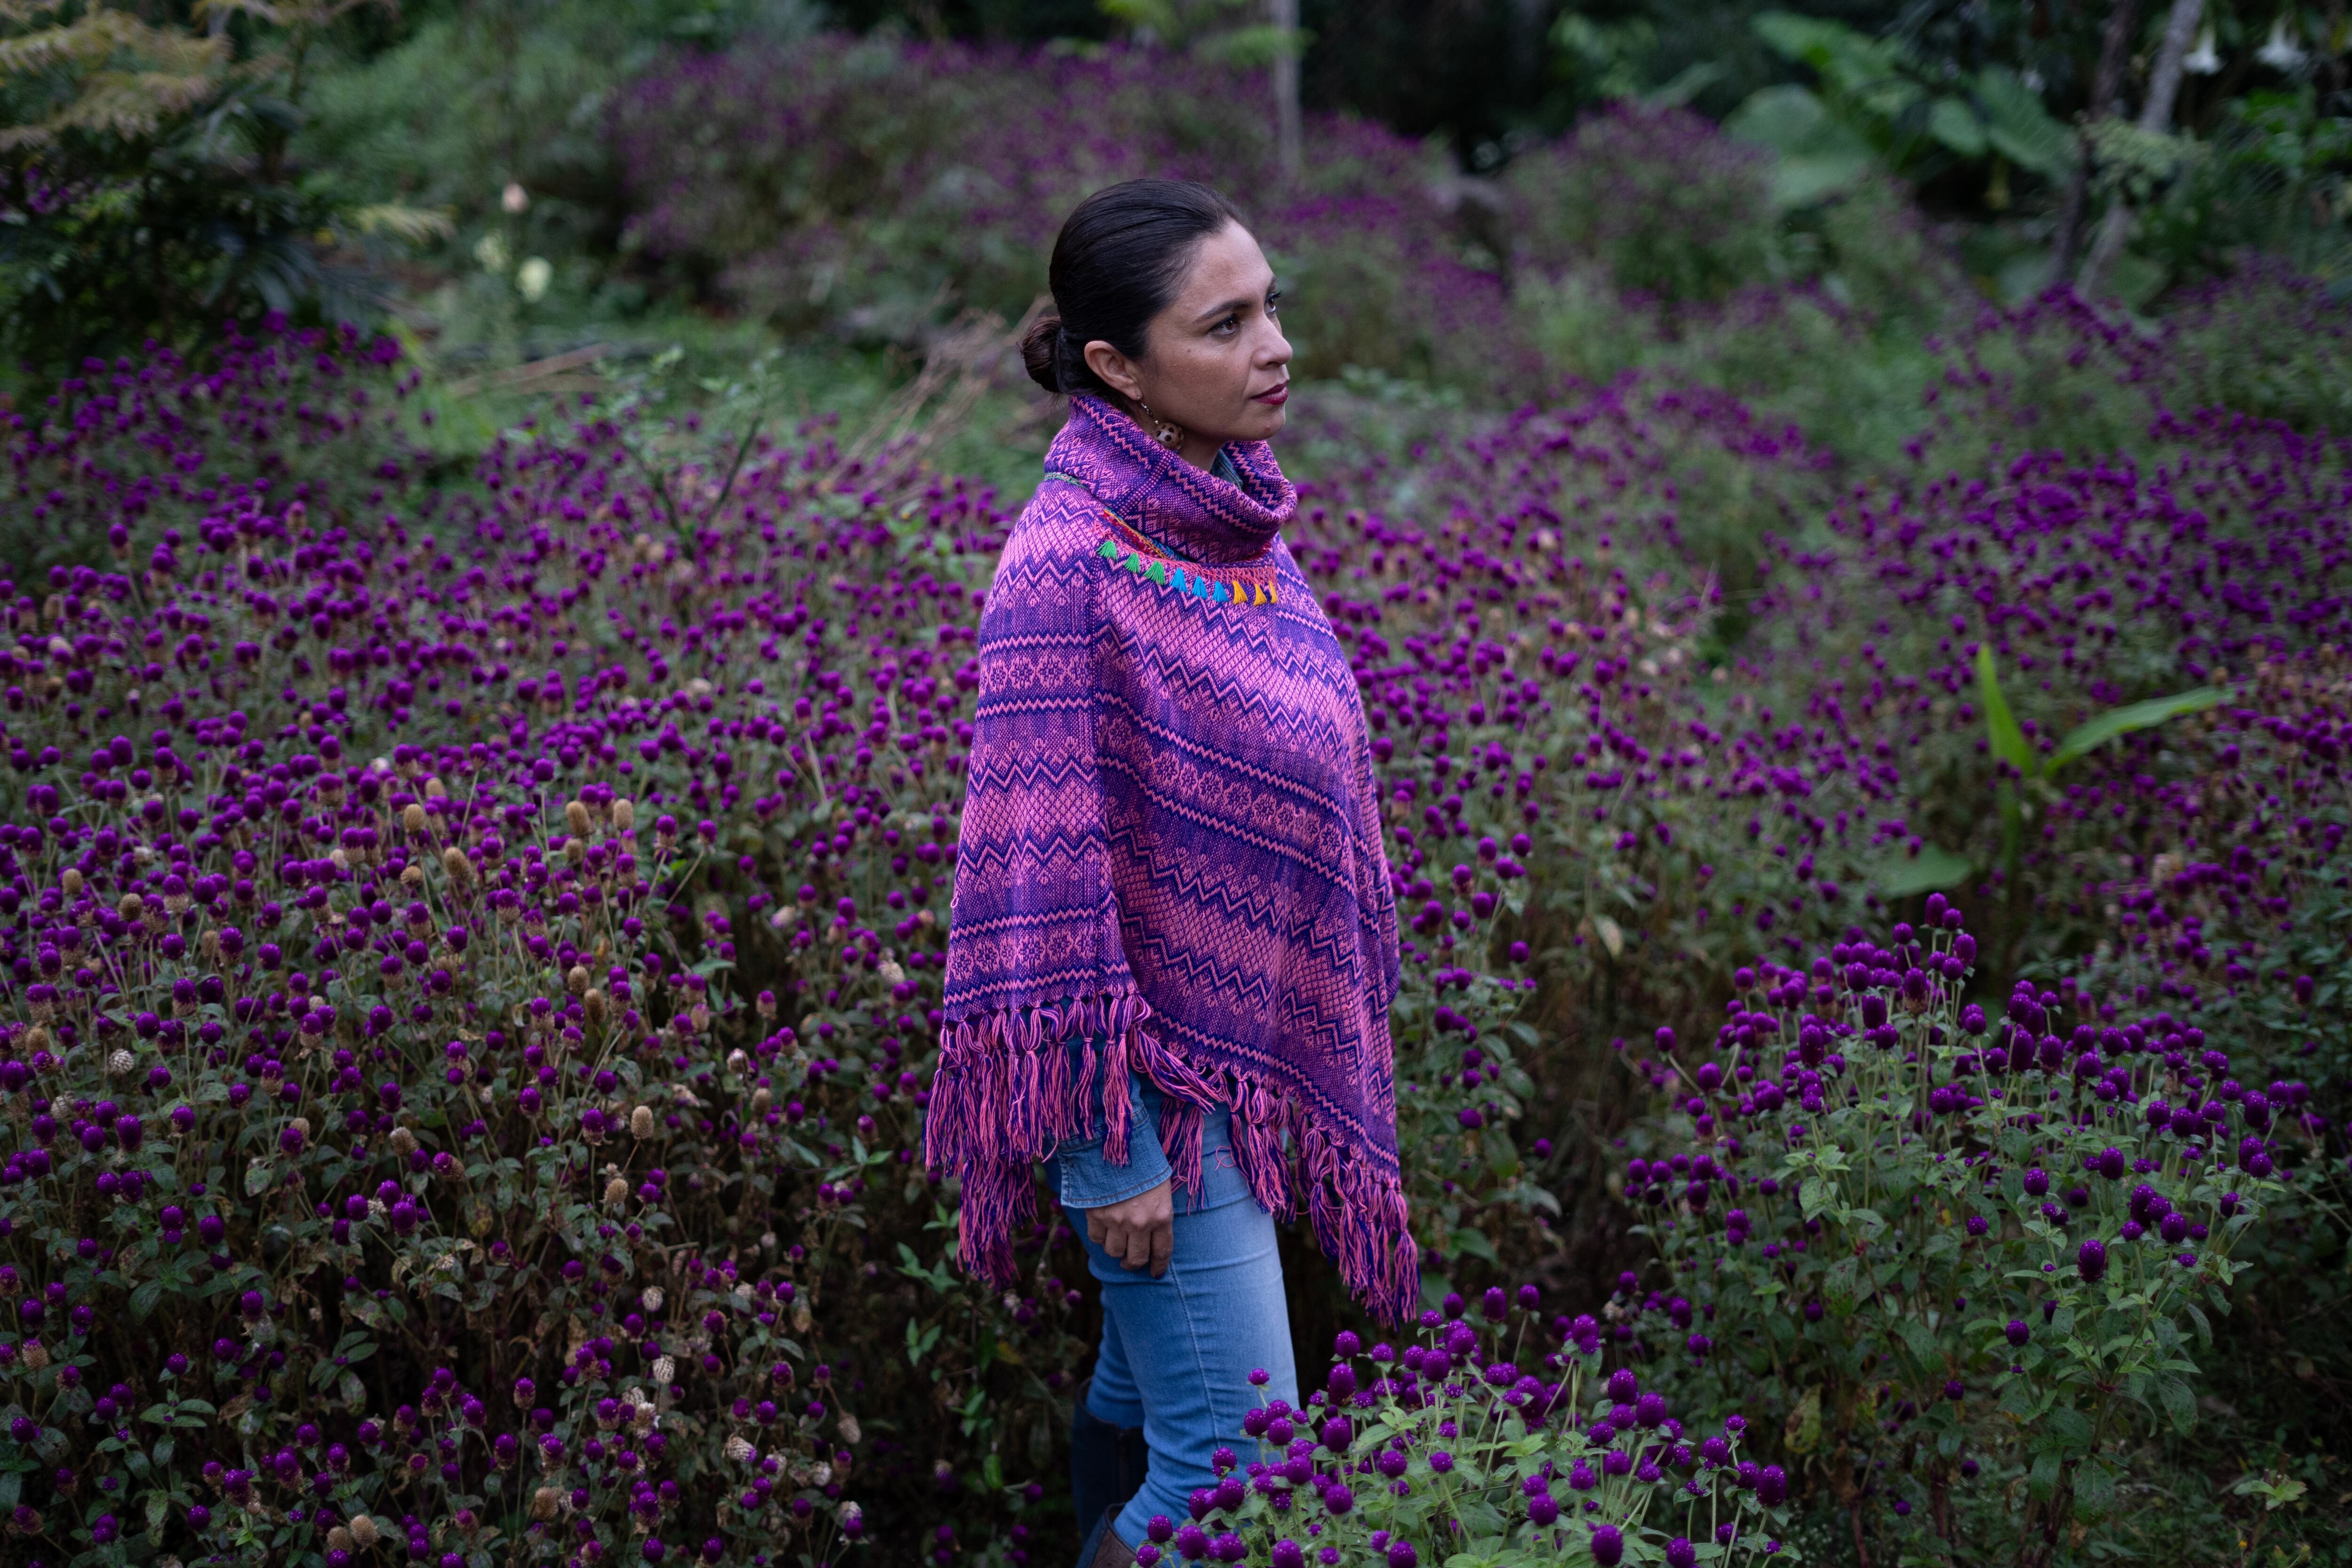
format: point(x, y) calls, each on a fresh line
point(1170, 854)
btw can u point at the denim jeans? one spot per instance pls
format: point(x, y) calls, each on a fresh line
point(1177, 1351)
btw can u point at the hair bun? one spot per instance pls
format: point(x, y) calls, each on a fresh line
point(1041, 351)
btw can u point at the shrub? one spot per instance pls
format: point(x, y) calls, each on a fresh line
point(1951, 1254)
point(1665, 205)
point(865, 186)
point(155, 445)
point(1451, 1447)
point(503, 945)
point(149, 188)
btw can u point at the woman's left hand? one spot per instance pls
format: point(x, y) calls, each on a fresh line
point(1140, 1231)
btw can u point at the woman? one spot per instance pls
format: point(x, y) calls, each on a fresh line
point(1173, 943)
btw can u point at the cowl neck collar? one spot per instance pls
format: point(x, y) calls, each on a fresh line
point(1192, 513)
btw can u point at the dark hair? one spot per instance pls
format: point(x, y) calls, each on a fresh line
point(1117, 263)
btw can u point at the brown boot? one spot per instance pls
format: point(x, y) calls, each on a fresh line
point(1103, 1548)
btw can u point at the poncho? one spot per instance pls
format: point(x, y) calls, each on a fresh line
point(1169, 860)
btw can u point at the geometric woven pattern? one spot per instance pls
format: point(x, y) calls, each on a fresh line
point(1171, 850)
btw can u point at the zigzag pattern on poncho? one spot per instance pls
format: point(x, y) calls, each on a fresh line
point(1170, 853)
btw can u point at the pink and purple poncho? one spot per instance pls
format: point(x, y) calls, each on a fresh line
point(1170, 854)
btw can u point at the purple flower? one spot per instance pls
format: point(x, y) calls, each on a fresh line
point(2091, 1259)
point(1608, 1545)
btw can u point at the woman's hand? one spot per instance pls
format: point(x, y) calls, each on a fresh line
point(1140, 1231)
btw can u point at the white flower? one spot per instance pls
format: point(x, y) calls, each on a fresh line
point(490, 250)
point(665, 1371)
point(652, 1299)
point(2202, 61)
point(120, 1062)
point(514, 198)
point(532, 278)
point(740, 1451)
point(2281, 52)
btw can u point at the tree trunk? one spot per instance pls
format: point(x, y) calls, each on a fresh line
point(2106, 86)
point(1285, 93)
point(2156, 117)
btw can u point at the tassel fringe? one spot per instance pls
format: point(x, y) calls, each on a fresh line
point(1006, 1096)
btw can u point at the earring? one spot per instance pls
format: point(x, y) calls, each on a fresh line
point(1168, 434)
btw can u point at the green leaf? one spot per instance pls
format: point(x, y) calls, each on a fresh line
point(2009, 741)
point(2069, 1426)
point(1932, 871)
point(144, 1300)
point(259, 1177)
point(2179, 1404)
point(1841, 1285)
point(1819, 156)
point(1473, 1242)
point(2123, 720)
point(2020, 129)
point(1956, 125)
point(1802, 1431)
point(2094, 1486)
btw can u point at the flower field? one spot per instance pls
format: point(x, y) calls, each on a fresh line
point(1870, 1053)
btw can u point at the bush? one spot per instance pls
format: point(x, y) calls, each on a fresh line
point(506, 940)
point(158, 444)
point(1450, 1445)
point(1665, 205)
point(1950, 1260)
point(150, 189)
point(868, 188)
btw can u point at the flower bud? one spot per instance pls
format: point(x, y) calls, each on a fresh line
point(617, 1191)
point(624, 815)
point(575, 817)
point(363, 1529)
point(412, 817)
point(576, 980)
point(460, 870)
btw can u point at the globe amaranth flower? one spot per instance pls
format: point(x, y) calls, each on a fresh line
point(1608, 1545)
point(2091, 1259)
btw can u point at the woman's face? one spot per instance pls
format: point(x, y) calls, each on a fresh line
point(1214, 359)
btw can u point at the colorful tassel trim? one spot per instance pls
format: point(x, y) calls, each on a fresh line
point(1008, 1092)
point(1217, 584)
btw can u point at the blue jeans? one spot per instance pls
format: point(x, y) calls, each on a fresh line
point(1177, 1351)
